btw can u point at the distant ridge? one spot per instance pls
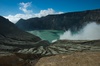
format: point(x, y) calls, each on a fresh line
point(71, 20)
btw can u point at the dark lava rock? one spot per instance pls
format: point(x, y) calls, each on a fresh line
point(71, 20)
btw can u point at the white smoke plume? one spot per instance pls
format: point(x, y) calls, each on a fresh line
point(90, 32)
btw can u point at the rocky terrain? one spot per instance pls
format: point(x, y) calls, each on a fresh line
point(19, 48)
point(60, 53)
point(12, 38)
point(64, 53)
point(64, 46)
point(72, 20)
point(74, 59)
point(11, 59)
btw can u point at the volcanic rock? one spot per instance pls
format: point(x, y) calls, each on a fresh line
point(13, 38)
point(64, 46)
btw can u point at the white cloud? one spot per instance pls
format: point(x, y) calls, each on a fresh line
point(47, 12)
point(29, 13)
point(15, 18)
point(24, 6)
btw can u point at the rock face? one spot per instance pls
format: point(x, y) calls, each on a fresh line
point(71, 20)
point(12, 38)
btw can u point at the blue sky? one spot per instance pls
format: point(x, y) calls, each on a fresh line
point(11, 7)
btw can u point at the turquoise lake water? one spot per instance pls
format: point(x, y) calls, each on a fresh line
point(49, 35)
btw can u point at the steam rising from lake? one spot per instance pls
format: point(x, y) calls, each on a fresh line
point(90, 32)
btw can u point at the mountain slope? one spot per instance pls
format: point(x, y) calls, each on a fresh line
point(9, 30)
point(12, 38)
point(71, 20)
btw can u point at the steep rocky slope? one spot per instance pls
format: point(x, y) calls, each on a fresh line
point(12, 38)
point(71, 20)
